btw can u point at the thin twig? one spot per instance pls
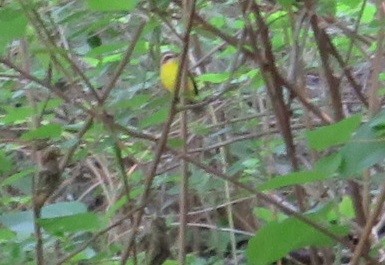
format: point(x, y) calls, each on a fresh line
point(361, 246)
point(188, 10)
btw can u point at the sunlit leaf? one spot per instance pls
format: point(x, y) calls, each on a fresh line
point(369, 13)
point(350, 3)
point(268, 215)
point(218, 21)
point(346, 207)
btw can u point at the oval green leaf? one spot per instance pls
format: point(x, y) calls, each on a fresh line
point(112, 5)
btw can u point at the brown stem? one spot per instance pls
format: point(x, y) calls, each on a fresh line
point(332, 81)
point(274, 86)
point(161, 144)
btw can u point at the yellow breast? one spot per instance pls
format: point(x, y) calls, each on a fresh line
point(168, 75)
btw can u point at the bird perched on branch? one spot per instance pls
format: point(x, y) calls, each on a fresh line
point(169, 69)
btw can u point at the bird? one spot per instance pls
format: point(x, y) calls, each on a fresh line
point(169, 68)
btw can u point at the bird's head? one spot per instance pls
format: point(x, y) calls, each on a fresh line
point(167, 57)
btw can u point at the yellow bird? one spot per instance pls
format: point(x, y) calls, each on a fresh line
point(169, 68)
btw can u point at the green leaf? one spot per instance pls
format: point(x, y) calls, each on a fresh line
point(175, 143)
point(162, 4)
point(51, 104)
point(218, 21)
point(16, 177)
point(350, 3)
point(366, 148)
point(279, 19)
point(327, 8)
point(46, 131)
point(324, 169)
point(369, 14)
point(344, 209)
point(22, 222)
point(63, 209)
point(5, 162)
point(87, 254)
point(17, 115)
point(112, 5)
point(268, 215)
point(329, 164)
point(275, 240)
point(335, 134)
point(155, 119)
point(19, 222)
point(215, 78)
point(116, 206)
point(107, 49)
point(6, 235)
point(171, 262)
point(12, 26)
point(70, 224)
point(295, 178)
point(135, 102)
point(286, 3)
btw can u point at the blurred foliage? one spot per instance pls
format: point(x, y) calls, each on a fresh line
point(57, 55)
